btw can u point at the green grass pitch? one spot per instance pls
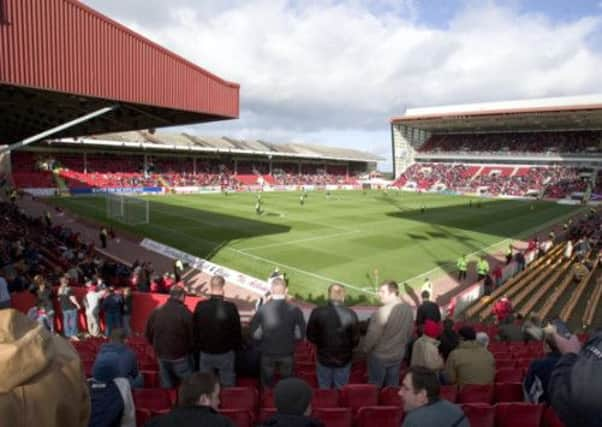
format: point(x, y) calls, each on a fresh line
point(351, 237)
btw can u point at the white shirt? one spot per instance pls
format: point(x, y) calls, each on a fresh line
point(128, 419)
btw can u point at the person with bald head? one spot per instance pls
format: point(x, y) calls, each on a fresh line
point(217, 333)
point(277, 325)
point(334, 329)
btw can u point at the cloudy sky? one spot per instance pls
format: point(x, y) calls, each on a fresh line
point(334, 72)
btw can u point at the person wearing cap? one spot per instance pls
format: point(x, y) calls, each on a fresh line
point(169, 330)
point(292, 398)
point(425, 351)
point(470, 362)
point(111, 398)
point(198, 404)
point(42, 383)
point(422, 403)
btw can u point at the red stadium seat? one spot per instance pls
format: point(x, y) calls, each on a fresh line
point(265, 414)
point(239, 417)
point(325, 398)
point(505, 363)
point(381, 416)
point(479, 414)
point(247, 382)
point(518, 415)
point(334, 417)
point(473, 393)
point(449, 392)
point(355, 396)
point(550, 418)
point(509, 392)
point(508, 375)
point(142, 416)
point(239, 398)
point(153, 399)
point(389, 396)
point(267, 398)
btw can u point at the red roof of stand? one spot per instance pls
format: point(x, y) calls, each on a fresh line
point(63, 59)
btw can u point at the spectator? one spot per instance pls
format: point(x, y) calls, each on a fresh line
point(110, 395)
point(4, 294)
point(217, 333)
point(334, 329)
point(520, 261)
point(422, 404)
point(425, 351)
point(428, 310)
point(44, 294)
point(248, 356)
point(126, 358)
point(462, 265)
point(448, 340)
point(277, 325)
point(388, 334)
point(126, 313)
point(169, 330)
point(509, 331)
point(41, 378)
point(501, 309)
point(292, 398)
point(69, 306)
point(103, 236)
point(112, 305)
point(470, 362)
point(576, 383)
point(535, 384)
point(483, 339)
point(198, 402)
point(482, 268)
point(92, 305)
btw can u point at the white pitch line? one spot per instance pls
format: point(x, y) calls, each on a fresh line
point(292, 242)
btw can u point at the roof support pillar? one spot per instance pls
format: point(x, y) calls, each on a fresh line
point(56, 129)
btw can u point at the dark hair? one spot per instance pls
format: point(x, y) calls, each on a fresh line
point(392, 286)
point(448, 324)
point(425, 295)
point(196, 385)
point(425, 379)
point(177, 292)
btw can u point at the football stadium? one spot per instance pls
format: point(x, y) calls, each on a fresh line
point(162, 276)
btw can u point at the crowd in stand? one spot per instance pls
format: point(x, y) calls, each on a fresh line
point(582, 142)
point(556, 182)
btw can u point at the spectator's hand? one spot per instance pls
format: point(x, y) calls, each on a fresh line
point(571, 345)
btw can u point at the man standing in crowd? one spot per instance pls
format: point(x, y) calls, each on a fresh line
point(92, 305)
point(125, 357)
point(535, 384)
point(41, 379)
point(217, 333)
point(509, 331)
point(198, 403)
point(420, 394)
point(576, 383)
point(470, 362)
point(387, 337)
point(334, 329)
point(112, 305)
point(428, 310)
point(277, 325)
point(110, 395)
point(425, 351)
point(69, 307)
point(482, 267)
point(169, 330)
point(103, 235)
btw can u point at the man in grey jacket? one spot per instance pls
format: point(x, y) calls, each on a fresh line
point(277, 325)
point(388, 334)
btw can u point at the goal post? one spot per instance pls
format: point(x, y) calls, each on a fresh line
point(127, 209)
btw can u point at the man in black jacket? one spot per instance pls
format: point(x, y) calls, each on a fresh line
point(169, 330)
point(198, 402)
point(277, 325)
point(217, 332)
point(334, 329)
point(428, 310)
point(575, 386)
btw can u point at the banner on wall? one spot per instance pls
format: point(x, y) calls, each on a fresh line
point(41, 192)
point(232, 276)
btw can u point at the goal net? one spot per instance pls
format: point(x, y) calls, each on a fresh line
point(127, 209)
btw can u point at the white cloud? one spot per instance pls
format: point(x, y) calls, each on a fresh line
point(322, 69)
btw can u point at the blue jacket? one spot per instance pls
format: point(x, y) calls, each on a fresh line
point(128, 365)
